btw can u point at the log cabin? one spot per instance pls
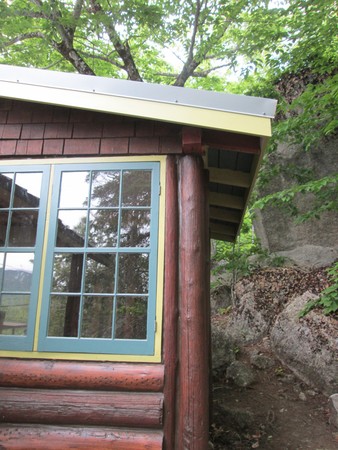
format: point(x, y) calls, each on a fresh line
point(110, 191)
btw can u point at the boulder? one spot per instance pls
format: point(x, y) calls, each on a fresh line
point(223, 348)
point(240, 373)
point(333, 405)
point(313, 243)
point(308, 346)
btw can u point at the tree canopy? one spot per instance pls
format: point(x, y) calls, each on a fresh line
point(285, 49)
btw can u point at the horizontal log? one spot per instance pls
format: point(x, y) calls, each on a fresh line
point(81, 375)
point(61, 407)
point(42, 437)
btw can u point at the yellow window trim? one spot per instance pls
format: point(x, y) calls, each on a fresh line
point(157, 357)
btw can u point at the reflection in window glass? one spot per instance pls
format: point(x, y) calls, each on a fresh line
point(3, 227)
point(133, 275)
point(97, 317)
point(105, 189)
point(23, 228)
point(100, 245)
point(131, 318)
point(74, 190)
point(6, 181)
point(100, 273)
point(103, 228)
point(64, 316)
point(67, 272)
point(27, 190)
point(18, 272)
point(136, 188)
point(71, 228)
point(135, 228)
point(14, 314)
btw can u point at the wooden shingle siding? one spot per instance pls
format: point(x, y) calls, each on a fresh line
point(44, 130)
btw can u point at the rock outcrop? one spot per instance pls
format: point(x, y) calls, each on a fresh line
point(313, 243)
point(267, 307)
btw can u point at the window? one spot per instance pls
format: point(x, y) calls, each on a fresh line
point(93, 287)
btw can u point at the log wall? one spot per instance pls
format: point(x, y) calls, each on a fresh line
point(82, 404)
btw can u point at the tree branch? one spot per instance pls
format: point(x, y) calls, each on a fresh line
point(24, 36)
point(196, 74)
point(102, 58)
point(191, 64)
point(122, 49)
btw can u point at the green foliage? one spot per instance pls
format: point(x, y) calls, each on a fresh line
point(328, 299)
point(324, 191)
point(244, 256)
point(329, 296)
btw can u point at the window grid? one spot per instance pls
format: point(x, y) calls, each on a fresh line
point(126, 346)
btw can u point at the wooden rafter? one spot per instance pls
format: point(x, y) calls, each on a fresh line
point(220, 228)
point(226, 200)
point(225, 215)
point(229, 177)
point(231, 141)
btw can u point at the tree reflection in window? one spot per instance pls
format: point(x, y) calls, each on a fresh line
point(100, 267)
point(19, 213)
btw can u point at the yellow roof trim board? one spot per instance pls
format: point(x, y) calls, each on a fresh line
point(193, 107)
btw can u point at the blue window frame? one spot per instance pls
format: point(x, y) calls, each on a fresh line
point(99, 268)
point(23, 197)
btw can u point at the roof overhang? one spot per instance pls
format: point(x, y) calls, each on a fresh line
point(235, 128)
point(237, 113)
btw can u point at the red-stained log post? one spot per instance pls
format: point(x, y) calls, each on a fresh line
point(193, 375)
point(170, 302)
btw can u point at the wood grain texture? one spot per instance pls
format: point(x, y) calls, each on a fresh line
point(61, 407)
point(81, 375)
point(193, 396)
point(42, 437)
point(170, 302)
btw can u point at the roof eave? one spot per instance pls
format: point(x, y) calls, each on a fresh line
point(137, 107)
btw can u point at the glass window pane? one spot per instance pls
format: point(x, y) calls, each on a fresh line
point(133, 273)
point(3, 227)
point(6, 180)
point(105, 188)
point(136, 188)
point(131, 318)
point(18, 272)
point(135, 228)
point(71, 228)
point(67, 272)
point(27, 190)
point(97, 317)
point(63, 316)
point(100, 273)
point(74, 190)
point(14, 314)
point(23, 228)
point(103, 228)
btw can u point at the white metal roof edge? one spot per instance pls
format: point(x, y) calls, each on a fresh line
point(195, 98)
